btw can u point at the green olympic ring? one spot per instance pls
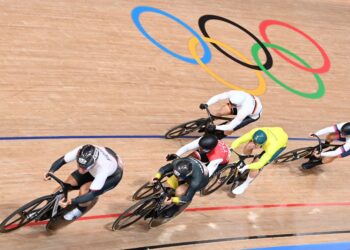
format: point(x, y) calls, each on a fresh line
point(315, 95)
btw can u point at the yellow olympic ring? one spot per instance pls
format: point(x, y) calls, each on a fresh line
point(192, 44)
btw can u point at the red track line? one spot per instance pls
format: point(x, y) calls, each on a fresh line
point(329, 204)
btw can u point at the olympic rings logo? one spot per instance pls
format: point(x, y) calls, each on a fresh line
point(264, 67)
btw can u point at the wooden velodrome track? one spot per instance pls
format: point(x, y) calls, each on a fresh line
point(82, 68)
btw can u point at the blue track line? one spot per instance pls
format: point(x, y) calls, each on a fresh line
point(68, 137)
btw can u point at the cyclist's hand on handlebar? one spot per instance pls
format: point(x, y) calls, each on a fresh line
point(168, 201)
point(211, 128)
point(203, 106)
point(155, 180)
point(312, 135)
point(46, 177)
point(171, 157)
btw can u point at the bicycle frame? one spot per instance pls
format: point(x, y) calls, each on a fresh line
point(158, 209)
point(54, 203)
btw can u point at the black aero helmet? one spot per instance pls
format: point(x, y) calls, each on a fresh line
point(345, 129)
point(182, 168)
point(208, 143)
point(87, 156)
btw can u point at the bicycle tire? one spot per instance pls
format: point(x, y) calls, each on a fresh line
point(186, 128)
point(58, 221)
point(140, 209)
point(217, 180)
point(147, 190)
point(294, 155)
point(6, 227)
point(156, 222)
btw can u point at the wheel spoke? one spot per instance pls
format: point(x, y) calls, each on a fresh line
point(294, 155)
point(217, 180)
point(185, 128)
point(134, 213)
point(24, 214)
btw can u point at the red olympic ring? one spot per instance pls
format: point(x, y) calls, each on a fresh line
point(326, 65)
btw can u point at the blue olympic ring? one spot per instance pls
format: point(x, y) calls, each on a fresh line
point(135, 14)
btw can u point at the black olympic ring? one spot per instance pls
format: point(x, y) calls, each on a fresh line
point(203, 19)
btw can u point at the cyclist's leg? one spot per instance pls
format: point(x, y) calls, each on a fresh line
point(345, 154)
point(201, 156)
point(331, 137)
point(326, 160)
point(254, 173)
point(180, 191)
point(70, 180)
point(111, 182)
point(246, 121)
point(83, 181)
point(226, 109)
point(241, 188)
point(249, 147)
point(313, 162)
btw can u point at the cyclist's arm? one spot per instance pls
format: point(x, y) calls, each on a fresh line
point(217, 98)
point(57, 164)
point(331, 129)
point(164, 170)
point(188, 147)
point(213, 165)
point(95, 189)
point(337, 152)
point(270, 151)
point(267, 156)
point(86, 197)
point(241, 115)
point(191, 191)
point(243, 139)
point(70, 156)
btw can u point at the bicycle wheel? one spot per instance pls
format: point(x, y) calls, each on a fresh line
point(160, 220)
point(58, 221)
point(24, 214)
point(186, 128)
point(217, 180)
point(294, 155)
point(134, 213)
point(147, 190)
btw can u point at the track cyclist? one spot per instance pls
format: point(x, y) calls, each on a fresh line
point(189, 176)
point(246, 107)
point(100, 169)
point(340, 131)
point(273, 140)
point(208, 149)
